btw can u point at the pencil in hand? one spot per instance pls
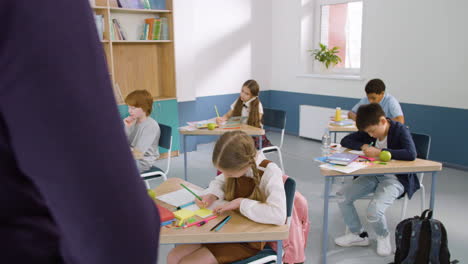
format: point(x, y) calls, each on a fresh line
point(216, 109)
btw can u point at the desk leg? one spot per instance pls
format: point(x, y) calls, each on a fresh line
point(184, 142)
point(260, 142)
point(326, 196)
point(433, 186)
point(279, 252)
point(335, 137)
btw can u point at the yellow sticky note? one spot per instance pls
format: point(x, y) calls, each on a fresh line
point(203, 212)
point(183, 214)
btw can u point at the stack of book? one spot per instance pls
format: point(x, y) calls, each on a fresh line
point(155, 29)
point(342, 162)
point(167, 217)
point(342, 158)
point(142, 4)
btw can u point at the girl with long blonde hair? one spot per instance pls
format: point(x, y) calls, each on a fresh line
point(252, 185)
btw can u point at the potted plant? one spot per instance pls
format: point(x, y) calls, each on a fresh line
point(326, 56)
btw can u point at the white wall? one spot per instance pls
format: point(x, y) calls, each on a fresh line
point(418, 47)
point(221, 44)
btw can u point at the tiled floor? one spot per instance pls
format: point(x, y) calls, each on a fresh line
point(298, 154)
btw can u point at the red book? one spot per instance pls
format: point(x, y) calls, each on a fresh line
point(165, 214)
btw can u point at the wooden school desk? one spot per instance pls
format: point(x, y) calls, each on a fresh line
point(250, 130)
point(341, 129)
point(238, 229)
point(392, 167)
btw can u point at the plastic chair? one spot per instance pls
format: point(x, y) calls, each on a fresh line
point(423, 146)
point(276, 119)
point(268, 255)
point(165, 141)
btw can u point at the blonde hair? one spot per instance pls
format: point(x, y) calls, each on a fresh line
point(254, 115)
point(142, 99)
point(235, 150)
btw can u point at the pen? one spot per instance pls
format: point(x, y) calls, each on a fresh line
point(219, 223)
point(216, 109)
point(186, 188)
point(201, 222)
point(222, 224)
point(184, 205)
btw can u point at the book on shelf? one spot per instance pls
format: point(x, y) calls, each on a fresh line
point(164, 28)
point(118, 30)
point(157, 29)
point(99, 20)
point(150, 23)
point(158, 4)
point(141, 4)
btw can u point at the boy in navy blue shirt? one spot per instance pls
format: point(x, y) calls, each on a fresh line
point(384, 134)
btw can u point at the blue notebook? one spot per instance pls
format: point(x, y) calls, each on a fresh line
point(342, 158)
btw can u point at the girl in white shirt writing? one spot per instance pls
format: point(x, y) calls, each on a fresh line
point(253, 186)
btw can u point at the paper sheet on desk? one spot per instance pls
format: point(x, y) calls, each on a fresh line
point(353, 166)
point(187, 128)
point(179, 197)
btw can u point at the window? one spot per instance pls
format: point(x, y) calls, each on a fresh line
point(339, 23)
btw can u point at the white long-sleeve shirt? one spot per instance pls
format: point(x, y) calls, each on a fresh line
point(273, 211)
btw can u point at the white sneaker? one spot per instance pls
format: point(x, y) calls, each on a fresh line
point(384, 247)
point(352, 240)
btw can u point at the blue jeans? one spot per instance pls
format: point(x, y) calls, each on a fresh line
point(386, 190)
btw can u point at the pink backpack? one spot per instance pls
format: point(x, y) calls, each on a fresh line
point(294, 246)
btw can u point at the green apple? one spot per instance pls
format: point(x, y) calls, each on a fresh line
point(211, 126)
point(152, 194)
point(385, 156)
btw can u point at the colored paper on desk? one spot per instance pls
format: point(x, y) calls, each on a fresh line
point(179, 197)
point(321, 159)
point(203, 212)
point(183, 214)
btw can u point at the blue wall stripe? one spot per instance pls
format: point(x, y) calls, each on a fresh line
point(446, 125)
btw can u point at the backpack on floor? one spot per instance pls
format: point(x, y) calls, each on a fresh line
point(421, 240)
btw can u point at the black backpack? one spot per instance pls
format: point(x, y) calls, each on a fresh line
point(421, 240)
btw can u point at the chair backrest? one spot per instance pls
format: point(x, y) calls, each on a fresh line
point(165, 137)
point(423, 145)
point(274, 118)
point(290, 190)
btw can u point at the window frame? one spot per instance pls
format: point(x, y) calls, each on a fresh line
point(317, 35)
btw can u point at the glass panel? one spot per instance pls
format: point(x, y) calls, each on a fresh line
point(341, 26)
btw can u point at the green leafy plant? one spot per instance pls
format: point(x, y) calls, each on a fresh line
point(326, 56)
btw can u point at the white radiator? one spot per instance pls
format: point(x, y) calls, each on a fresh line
point(313, 120)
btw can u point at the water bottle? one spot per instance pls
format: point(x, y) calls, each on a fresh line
point(326, 141)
